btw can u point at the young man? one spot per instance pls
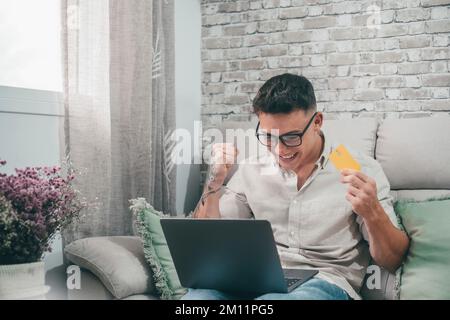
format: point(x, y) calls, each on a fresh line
point(328, 220)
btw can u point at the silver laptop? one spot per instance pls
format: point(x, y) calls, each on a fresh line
point(234, 256)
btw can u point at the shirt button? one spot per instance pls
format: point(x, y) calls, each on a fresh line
point(292, 233)
point(294, 202)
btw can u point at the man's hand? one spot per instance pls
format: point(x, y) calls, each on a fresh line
point(361, 193)
point(387, 244)
point(223, 157)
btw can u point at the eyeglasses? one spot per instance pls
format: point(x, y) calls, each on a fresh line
point(290, 139)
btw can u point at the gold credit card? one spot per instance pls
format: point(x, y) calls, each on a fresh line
point(342, 159)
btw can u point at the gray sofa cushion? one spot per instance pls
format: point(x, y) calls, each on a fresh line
point(357, 134)
point(419, 195)
point(415, 153)
point(118, 262)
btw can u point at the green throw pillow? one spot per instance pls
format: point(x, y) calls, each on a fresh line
point(426, 271)
point(156, 250)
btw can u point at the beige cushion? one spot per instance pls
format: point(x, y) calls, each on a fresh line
point(415, 153)
point(358, 134)
point(118, 262)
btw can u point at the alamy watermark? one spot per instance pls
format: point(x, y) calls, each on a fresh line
point(73, 281)
point(182, 146)
point(374, 19)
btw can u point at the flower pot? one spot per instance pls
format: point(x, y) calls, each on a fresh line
point(23, 281)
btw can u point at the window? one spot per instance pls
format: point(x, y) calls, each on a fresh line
point(30, 51)
point(30, 88)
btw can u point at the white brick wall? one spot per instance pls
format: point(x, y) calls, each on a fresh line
point(400, 68)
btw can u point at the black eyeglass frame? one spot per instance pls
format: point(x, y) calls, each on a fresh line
point(290, 134)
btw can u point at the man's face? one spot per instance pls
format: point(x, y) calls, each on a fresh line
point(293, 157)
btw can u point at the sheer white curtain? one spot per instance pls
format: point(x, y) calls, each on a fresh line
point(118, 61)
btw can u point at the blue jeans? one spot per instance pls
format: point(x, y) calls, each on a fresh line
point(314, 289)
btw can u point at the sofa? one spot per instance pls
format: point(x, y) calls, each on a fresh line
point(414, 153)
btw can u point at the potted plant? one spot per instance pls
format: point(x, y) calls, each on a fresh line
point(35, 204)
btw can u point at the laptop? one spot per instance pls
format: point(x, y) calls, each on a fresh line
point(234, 256)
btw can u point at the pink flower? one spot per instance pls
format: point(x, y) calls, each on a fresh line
point(38, 203)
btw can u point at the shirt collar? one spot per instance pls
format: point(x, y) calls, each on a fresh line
point(327, 149)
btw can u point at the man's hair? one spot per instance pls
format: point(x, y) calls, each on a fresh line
point(285, 93)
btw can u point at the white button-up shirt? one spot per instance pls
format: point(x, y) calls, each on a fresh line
point(315, 225)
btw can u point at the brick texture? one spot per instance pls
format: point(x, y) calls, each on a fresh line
point(378, 58)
